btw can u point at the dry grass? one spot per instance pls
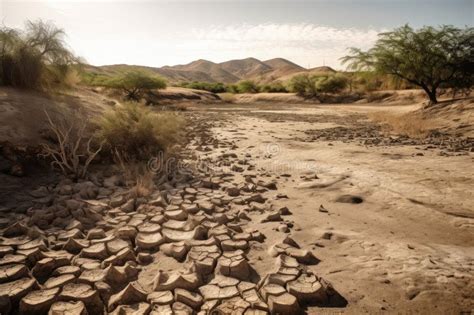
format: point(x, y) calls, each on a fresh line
point(138, 177)
point(227, 97)
point(412, 124)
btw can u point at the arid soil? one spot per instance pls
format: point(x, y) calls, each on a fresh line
point(309, 209)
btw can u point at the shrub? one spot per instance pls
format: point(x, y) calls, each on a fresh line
point(135, 83)
point(205, 86)
point(304, 85)
point(332, 84)
point(36, 57)
point(275, 87)
point(72, 150)
point(227, 97)
point(247, 86)
point(136, 132)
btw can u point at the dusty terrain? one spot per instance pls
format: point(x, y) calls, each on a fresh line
point(308, 208)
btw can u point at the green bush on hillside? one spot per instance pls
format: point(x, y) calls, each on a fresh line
point(247, 86)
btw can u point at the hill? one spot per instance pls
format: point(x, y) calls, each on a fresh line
point(232, 71)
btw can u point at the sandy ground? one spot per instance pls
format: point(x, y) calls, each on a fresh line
point(407, 248)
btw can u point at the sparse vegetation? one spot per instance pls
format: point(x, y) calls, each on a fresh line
point(72, 151)
point(428, 57)
point(206, 86)
point(247, 86)
point(227, 97)
point(412, 124)
point(36, 57)
point(136, 132)
point(135, 84)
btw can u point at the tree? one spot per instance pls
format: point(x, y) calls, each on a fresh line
point(34, 57)
point(332, 83)
point(304, 85)
point(428, 57)
point(247, 86)
point(135, 83)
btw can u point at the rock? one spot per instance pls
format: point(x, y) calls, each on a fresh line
point(181, 308)
point(84, 293)
point(74, 270)
point(160, 298)
point(161, 310)
point(231, 245)
point(12, 272)
point(149, 241)
point(233, 191)
point(284, 304)
point(176, 250)
point(272, 217)
point(135, 309)
point(144, 258)
point(220, 288)
point(192, 299)
point(322, 209)
point(164, 281)
point(17, 289)
point(131, 294)
point(204, 258)
point(198, 233)
point(74, 246)
point(307, 288)
point(119, 275)
point(59, 281)
point(116, 245)
point(96, 251)
point(38, 302)
point(233, 264)
point(235, 305)
point(68, 308)
point(284, 211)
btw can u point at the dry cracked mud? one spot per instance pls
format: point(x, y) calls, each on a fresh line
point(259, 219)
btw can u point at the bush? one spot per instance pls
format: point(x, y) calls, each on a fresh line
point(304, 85)
point(332, 84)
point(135, 83)
point(227, 97)
point(205, 86)
point(136, 132)
point(276, 87)
point(34, 58)
point(247, 86)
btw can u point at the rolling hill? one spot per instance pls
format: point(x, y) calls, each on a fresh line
point(230, 71)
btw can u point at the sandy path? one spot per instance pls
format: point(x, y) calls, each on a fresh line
point(409, 247)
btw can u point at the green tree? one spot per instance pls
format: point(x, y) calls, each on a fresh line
point(135, 83)
point(428, 57)
point(304, 85)
point(247, 86)
point(33, 57)
point(332, 83)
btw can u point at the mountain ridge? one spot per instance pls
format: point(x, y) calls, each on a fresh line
point(230, 71)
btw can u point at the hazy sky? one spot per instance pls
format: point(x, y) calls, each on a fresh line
point(157, 33)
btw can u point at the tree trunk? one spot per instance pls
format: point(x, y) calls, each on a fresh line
point(431, 94)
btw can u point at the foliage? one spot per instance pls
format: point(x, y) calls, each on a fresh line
point(205, 86)
point(136, 132)
point(275, 87)
point(331, 83)
point(247, 86)
point(36, 57)
point(428, 57)
point(135, 83)
point(304, 85)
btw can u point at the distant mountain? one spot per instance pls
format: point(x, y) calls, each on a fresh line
point(232, 71)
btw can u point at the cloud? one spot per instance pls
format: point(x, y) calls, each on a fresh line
point(304, 43)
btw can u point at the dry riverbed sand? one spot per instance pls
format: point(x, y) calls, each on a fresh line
point(408, 247)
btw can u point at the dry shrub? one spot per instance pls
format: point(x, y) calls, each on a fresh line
point(411, 124)
point(227, 97)
point(72, 151)
point(138, 177)
point(139, 133)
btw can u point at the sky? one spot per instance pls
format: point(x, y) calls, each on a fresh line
point(165, 32)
